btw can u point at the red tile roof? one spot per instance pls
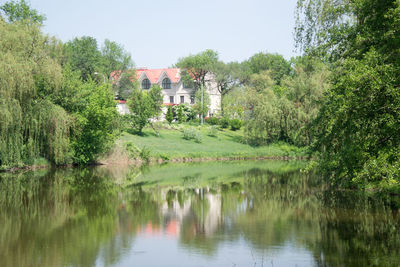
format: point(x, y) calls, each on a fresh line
point(153, 74)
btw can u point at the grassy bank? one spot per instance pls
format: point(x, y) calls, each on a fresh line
point(37, 163)
point(170, 145)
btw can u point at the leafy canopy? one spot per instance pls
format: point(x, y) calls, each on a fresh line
point(20, 11)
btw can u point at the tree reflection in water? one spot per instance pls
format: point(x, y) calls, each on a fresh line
point(80, 217)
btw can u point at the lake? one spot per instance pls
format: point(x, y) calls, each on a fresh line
point(240, 213)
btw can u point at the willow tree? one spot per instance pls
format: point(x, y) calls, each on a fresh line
point(30, 124)
point(357, 129)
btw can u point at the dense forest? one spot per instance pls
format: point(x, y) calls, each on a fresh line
point(340, 99)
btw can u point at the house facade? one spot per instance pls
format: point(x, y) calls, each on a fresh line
point(174, 89)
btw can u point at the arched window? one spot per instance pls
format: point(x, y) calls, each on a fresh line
point(146, 84)
point(166, 83)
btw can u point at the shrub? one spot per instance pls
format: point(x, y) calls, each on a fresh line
point(224, 123)
point(189, 133)
point(132, 150)
point(213, 121)
point(236, 124)
point(169, 117)
point(212, 131)
point(145, 153)
point(198, 137)
point(192, 133)
point(183, 112)
point(164, 156)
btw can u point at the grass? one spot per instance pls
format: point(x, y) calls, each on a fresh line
point(170, 144)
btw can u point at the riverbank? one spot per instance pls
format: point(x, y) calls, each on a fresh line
point(172, 145)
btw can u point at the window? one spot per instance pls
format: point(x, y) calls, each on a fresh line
point(146, 84)
point(166, 83)
point(187, 84)
point(182, 99)
point(192, 99)
point(171, 99)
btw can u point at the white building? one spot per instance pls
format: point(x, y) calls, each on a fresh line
point(173, 89)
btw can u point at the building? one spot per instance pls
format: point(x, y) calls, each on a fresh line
point(173, 88)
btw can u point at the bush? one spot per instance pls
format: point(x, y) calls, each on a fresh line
point(236, 124)
point(189, 133)
point(213, 121)
point(164, 156)
point(212, 131)
point(224, 123)
point(169, 117)
point(183, 113)
point(132, 150)
point(145, 154)
point(192, 133)
point(198, 138)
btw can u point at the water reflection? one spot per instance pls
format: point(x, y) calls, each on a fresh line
point(208, 214)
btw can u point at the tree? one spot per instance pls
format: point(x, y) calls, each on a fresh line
point(114, 58)
point(234, 104)
point(201, 107)
point(262, 121)
point(21, 11)
point(144, 106)
point(305, 89)
point(170, 116)
point(357, 128)
point(126, 84)
point(83, 55)
point(285, 112)
point(31, 125)
point(197, 67)
point(276, 64)
point(94, 125)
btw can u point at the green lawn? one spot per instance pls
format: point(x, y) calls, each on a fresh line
point(170, 144)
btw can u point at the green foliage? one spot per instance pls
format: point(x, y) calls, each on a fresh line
point(82, 55)
point(95, 124)
point(358, 125)
point(196, 67)
point(144, 105)
point(145, 154)
point(48, 111)
point(31, 125)
point(179, 111)
point(21, 11)
point(233, 104)
point(225, 76)
point(224, 123)
point(199, 108)
point(125, 85)
point(183, 112)
point(236, 124)
point(213, 131)
point(357, 128)
point(284, 113)
point(169, 117)
point(213, 121)
point(192, 134)
point(276, 64)
point(114, 57)
point(131, 149)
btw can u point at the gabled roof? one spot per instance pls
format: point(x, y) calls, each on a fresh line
point(153, 75)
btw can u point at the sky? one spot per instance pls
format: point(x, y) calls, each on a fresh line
point(159, 32)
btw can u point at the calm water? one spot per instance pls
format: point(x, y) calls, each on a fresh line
point(205, 214)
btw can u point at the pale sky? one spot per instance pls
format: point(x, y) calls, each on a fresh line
point(158, 32)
